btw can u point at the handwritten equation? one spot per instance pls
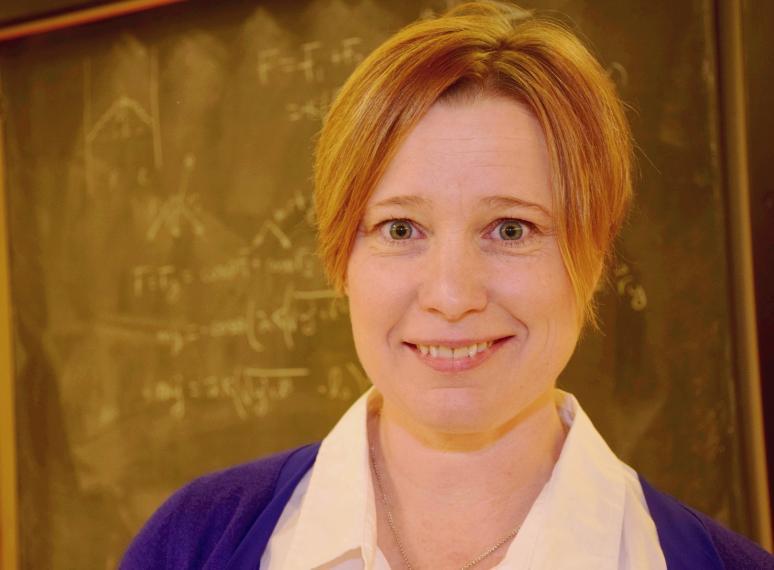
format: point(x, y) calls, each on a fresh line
point(309, 62)
point(251, 391)
point(170, 281)
point(300, 312)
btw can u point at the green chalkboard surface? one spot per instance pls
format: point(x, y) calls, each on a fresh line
point(170, 317)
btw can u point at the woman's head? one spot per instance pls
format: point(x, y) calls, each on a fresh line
point(477, 49)
point(462, 311)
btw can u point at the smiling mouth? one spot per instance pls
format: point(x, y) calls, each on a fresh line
point(453, 353)
point(445, 357)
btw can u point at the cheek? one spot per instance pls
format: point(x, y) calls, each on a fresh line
point(555, 321)
point(378, 297)
point(538, 293)
point(556, 292)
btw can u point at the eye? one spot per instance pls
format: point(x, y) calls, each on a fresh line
point(400, 229)
point(511, 230)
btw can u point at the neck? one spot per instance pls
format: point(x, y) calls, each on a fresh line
point(504, 468)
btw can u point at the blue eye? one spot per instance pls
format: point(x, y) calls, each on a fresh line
point(400, 230)
point(511, 230)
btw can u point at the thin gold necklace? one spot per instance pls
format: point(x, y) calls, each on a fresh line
point(396, 534)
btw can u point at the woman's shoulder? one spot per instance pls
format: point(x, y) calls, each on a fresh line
point(202, 524)
point(688, 536)
point(735, 550)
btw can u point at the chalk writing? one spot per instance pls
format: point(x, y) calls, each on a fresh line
point(299, 313)
point(125, 122)
point(309, 61)
point(269, 229)
point(169, 281)
point(617, 72)
point(275, 278)
point(344, 382)
point(236, 268)
point(314, 108)
point(251, 391)
point(124, 119)
point(627, 286)
point(181, 207)
point(430, 13)
point(347, 52)
point(271, 61)
point(297, 203)
point(335, 387)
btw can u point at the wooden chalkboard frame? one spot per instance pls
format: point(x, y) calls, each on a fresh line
point(78, 17)
point(9, 513)
point(734, 128)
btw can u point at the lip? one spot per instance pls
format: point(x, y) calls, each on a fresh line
point(457, 365)
point(457, 343)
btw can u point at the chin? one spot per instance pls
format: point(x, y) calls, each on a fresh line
point(456, 411)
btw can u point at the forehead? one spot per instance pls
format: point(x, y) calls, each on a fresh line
point(467, 150)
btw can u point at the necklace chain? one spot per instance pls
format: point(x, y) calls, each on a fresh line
point(396, 535)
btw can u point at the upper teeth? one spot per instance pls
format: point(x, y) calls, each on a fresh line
point(439, 351)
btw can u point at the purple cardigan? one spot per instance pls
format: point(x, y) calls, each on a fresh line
point(225, 520)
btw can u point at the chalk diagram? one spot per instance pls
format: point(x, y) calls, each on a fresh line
point(123, 153)
point(179, 208)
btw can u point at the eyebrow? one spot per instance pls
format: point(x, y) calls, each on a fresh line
point(511, 202)
point(495, 202)
point(415, 201)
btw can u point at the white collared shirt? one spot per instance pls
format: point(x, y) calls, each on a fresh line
point(591, 514)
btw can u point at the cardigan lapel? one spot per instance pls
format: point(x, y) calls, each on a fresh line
point(248, 554)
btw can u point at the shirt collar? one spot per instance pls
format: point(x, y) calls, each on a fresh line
point(576, 521)
point(340, 497)
point(584, 499)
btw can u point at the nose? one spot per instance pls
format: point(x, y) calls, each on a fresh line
point(452, 281)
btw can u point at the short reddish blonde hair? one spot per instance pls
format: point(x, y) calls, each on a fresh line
point(477, 48)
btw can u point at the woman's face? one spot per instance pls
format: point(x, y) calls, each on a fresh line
point(462, 311)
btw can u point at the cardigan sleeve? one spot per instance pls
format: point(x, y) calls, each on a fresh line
point(736, 551)
point(202, 524)
point(691, 539)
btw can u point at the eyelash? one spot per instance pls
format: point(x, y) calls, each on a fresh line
point(532, 231)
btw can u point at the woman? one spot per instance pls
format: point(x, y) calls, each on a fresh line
point(470, 180)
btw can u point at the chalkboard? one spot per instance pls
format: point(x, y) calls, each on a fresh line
point(170, 317)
